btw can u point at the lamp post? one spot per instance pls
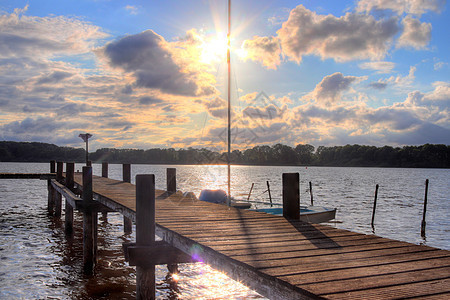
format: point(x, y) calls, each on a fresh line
point(85, 137)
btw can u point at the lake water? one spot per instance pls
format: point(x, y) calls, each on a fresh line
point(37, 261)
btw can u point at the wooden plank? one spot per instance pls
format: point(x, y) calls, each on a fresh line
point(42, 176)
point(433, 289)
point(284, 259)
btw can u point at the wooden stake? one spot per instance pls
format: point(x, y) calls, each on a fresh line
point(291, 196)
point(270, 195)
point(58, 198)
point(424, 224)
point(374, 206)
point(171, 180)
point(126, 177)
point(311, 193)
point(249, 193)
point(145, 233)
point(70, 169)
point(88, 224)
point(51, 190)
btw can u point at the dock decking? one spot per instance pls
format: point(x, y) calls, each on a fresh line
point(284, 259)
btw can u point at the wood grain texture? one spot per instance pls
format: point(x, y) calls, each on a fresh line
point(288, 259)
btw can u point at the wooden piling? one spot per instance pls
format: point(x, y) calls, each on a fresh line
point(374, 207)
point(88, 223)
point(145, 233)
point(291, 196)
point(249, 193)
point(126, 177)
point(311, 193)
point(51, 190)
point(105, 175)
point(424, 224)
point(268, 191)
point(171, 180)
point(58, 197)
point(105, 169)
point(70, 169)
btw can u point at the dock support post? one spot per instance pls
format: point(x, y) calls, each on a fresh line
point(58, 197)
point(51, 190)
point(374, 207)
point(88, 223)
point(171, 180)
point(70, 169)
point(311, 193)
point(105, 175)
point(270, 195)
point(424, 224)
point(145, 233)
point(126, 177)
point(291, 196)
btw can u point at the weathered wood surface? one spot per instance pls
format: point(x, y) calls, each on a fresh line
point(41, 176)
point(284, 259)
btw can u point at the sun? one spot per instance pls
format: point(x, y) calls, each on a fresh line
point(214, 49)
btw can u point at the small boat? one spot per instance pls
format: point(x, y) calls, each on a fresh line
point(311, 214)
point(220, 197)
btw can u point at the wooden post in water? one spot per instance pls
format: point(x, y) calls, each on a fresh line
point(105, 169)
point(268, 191)
point(105, 175)
point(126, 177)
point(311, 194)
point(145, 233)
point(70, 169)
point(374, 206)
point(249, 193)
point(58, 197)
point(88, 223)
point(51, 190)
point(424, 224)
point(291, 196)
point(171, 180)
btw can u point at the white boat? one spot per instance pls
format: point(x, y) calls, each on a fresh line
point(220, 197)
point(311, 214)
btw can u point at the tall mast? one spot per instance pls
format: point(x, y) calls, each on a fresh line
point(229, 102)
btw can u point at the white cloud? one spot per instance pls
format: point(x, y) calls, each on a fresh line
point(133, 10)
point(352, 36)
point(415, 7)
point(415, 34)
point(263, 49)
point(379, 66)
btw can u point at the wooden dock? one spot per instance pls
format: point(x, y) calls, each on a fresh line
point(278, 257)
point(284, 259)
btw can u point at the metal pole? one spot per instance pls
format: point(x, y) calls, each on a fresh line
point(229, 102)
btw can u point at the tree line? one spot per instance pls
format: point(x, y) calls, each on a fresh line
point(424, 156)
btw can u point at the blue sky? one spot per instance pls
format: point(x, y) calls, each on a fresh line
point(144, 74)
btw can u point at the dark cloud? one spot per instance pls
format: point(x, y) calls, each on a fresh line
point(397, 118)
point(149, 100)
point(54, 77)
point(331, 87)
point(378, 85)
point(148, 57)
point(422, 134)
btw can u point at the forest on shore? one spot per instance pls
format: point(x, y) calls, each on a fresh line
point(424, 156)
